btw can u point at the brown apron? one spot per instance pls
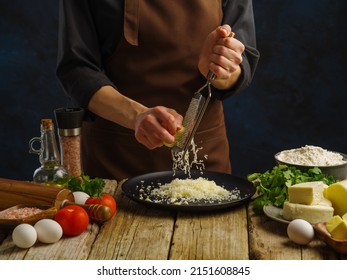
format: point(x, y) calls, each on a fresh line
point(156, 64)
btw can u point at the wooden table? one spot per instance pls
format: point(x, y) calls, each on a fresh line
point(139, 232)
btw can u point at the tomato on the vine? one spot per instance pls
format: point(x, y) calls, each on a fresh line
point(73, 219)
point(106, 200)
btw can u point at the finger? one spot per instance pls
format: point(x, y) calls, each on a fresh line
point(169, 119)
point(152, 140)
point(156, 127)
point(231, 43)
point(143, 139)
point(225, 31)
point(225, 67)
point(222, 54)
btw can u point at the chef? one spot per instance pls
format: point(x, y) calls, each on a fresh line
point(134, 65)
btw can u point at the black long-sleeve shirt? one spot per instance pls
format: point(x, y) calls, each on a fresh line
point(90, 30)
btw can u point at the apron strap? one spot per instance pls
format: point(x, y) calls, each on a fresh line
point(131, 22)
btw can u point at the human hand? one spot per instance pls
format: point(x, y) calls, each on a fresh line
point(156, 126)
point(222, 54)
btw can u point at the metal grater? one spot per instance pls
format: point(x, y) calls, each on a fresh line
point(193, 116)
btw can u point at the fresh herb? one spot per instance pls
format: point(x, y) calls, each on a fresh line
point(93, 187)
point(272, 185)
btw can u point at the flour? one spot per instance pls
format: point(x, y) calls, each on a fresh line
point(311, 156)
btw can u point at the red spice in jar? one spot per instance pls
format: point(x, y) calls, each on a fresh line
point(71, 154)
point(70, 124)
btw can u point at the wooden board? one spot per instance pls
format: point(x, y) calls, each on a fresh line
point(217, 235)
point(135, 233)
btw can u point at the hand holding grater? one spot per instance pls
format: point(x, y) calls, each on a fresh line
point(193, 116)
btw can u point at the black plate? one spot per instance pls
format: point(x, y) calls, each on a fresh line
point(132, 188)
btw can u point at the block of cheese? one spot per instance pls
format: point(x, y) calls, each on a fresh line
point(337, 227)
point(344, 217)
point(337, 194)
point(313, 214)
point(309, 193)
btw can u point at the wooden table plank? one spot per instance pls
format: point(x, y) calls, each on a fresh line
point(207, 236)
point(137, 232)
point(9, 251)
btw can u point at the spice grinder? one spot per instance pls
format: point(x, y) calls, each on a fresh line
point(69, 123)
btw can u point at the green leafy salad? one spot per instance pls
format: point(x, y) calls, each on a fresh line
point(272, 185)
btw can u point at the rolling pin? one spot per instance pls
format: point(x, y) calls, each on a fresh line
point(15, 192)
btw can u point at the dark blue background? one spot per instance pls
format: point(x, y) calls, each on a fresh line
point(298, 95)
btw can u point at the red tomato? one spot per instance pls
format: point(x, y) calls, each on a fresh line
point(73, 219)
point(106, 200)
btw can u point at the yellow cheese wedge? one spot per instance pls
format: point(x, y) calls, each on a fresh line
point(337, 227)
point(178, 136)
point(309, 193)
point(337, 194)
point(344, 217)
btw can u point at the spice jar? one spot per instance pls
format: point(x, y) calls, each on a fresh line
point(69, 121)
point(50, 169)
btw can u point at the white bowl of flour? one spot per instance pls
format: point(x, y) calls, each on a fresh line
point(304, 158)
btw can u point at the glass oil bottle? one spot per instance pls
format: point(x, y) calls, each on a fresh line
point(50, 169)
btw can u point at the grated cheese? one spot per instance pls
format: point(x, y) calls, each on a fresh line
point(184, 191)
point(186, 164)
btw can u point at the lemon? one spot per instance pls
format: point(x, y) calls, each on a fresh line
point(178, 136)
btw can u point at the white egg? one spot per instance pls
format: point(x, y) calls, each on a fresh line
point(24, 236)
point(300, 231)
point(48, 231)
point(80, 197)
